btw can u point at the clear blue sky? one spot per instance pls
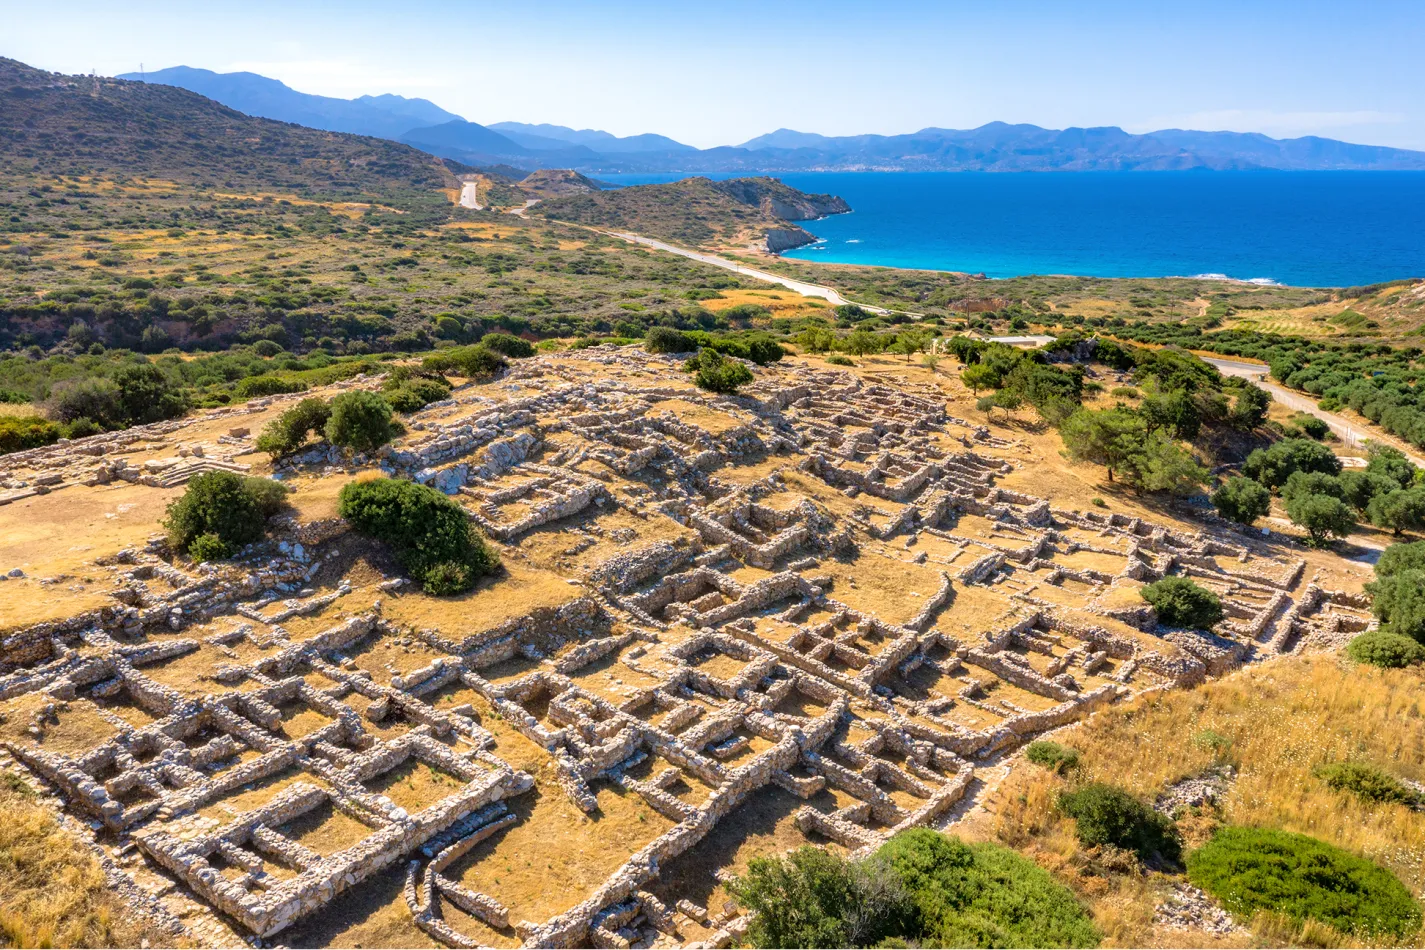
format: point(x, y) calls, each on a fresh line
point(720, 73)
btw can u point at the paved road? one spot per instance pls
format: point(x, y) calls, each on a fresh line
point(1349, 432)
point(468, 197)
point(801, 287)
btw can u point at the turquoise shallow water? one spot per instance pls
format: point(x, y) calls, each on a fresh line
point(1317, 229)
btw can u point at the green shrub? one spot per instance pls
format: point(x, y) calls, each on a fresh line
point(1324, 517)
point(763, 349)
point(1399, 601)
point(716, 373)
point(814, 898)
point(1313, 427)
point(1272, 466)
point(414, 394)
point(1361, 487)
point(477, 362)
point(430, 534)
point(1312, 483)
point(921, 888)
point(1052, 756)
point(1401, 557)
point(1181, 603)
point(1301, 878)
point(215, 503)
point(1385, 649)
point(507, 344)
point(1366, 782)
point(667, 340)
point(255, 386)
point(982, 895)
point(1242, 500)
point(270, 496)
point(288, 432)
point(1107, 815)
point(1124, 392)
point(209, 547)
point(836, 359)
point(360, 421)
point(81, 428)
point(27, 432)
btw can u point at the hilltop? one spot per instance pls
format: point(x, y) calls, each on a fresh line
point(77, 125)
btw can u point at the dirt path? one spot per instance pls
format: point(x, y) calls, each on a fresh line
point(1351, 433)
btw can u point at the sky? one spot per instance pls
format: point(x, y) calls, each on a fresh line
point(719, 73)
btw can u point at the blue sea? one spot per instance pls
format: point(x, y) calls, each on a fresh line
point(1315, 229)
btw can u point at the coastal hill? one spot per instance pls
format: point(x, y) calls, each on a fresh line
point(82, 126)
point(702, 212)
point(996, 146)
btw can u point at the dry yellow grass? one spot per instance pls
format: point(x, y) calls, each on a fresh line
point(52, 891)
point(1279, 721)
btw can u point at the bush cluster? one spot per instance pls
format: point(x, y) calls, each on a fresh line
point(1398, 598)
point(668, 340)
point(1242, 500)
point(1052, 756)
point(408, 391)
point(1301, 878)
point(1107, 815)
point(716, 373)
point(430, 535)
point(1181, 603)
point(289, 431)
point(1366, 782)
point(220, 512)
point(921, 888)
point(1385, 649)
point(477, 362)
point(360, 421)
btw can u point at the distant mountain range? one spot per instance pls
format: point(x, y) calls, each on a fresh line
point(386, 116)
point(997, 146)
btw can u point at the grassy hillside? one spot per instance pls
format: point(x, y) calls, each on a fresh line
point(695, 211)
point(81, 126)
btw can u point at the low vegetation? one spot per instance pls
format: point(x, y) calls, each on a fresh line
point(429, 534)
point(53, 893)
point(1367, 783)
point(1181, 603)
point(716, 373)
point(360, 421)
point(1270, 726)
point(220, 512)
point(921, 888)
point(1261, 869)
point(1105, 815)
point(1052, 756)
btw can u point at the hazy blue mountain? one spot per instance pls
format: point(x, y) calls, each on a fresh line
point(469, 137)
point(386, 116)
point(787, 138)
point(999, 146)
point(534, 136)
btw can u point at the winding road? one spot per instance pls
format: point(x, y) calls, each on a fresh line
point(469, 197)
point(801, 287)
point(1349, 432)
